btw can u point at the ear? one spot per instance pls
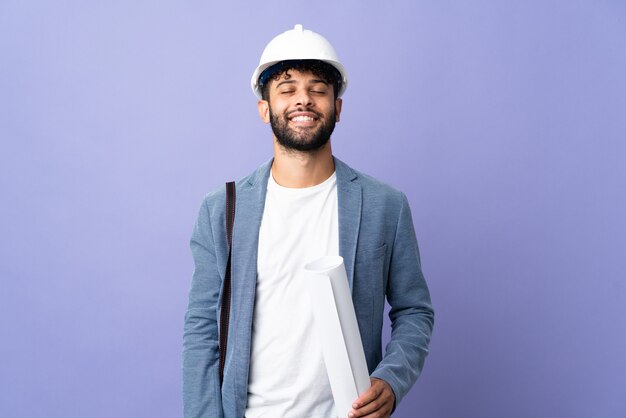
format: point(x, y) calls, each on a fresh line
point(264, 110)
point(338, 104)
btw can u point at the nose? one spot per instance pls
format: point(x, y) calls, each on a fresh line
point(303, 98)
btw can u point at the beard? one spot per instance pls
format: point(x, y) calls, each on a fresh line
point(302, 139)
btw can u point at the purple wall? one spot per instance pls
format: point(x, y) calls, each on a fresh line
point(504, 122)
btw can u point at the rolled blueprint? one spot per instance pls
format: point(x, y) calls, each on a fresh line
point(338, 331)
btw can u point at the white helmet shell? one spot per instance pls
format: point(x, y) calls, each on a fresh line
point(298, 44)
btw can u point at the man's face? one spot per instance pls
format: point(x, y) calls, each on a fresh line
point(302, 111)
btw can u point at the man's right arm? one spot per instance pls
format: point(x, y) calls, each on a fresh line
point(201, 387)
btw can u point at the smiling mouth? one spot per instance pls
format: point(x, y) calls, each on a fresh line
point(302, 119)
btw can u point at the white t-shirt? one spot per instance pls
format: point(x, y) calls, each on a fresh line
point(287, 373)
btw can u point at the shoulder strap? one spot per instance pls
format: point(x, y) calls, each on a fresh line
point(225, 311)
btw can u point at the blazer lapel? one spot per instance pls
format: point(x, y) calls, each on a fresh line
point(349, 197)
point(248, 214)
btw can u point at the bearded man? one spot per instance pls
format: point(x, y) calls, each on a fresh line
point(301, 205)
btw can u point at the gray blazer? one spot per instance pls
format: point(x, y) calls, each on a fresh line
point(377, 242)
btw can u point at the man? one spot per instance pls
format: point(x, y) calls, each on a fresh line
point(301, 205)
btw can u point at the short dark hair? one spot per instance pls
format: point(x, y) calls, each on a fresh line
point(320, 69)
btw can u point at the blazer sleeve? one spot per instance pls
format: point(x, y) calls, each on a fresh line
point(411, 313)
point(201, 387)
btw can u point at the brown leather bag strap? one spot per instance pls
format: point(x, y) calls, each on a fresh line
point(225, 311)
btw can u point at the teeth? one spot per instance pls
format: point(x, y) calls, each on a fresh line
point(302, 119)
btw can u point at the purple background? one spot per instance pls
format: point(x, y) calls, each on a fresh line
point(504, 123)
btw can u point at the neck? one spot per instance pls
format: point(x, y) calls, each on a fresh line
point(298, 169)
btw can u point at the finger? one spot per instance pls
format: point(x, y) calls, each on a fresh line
point(381, 404)
point(370, 408)
point(378, 414)
point(367, 412)
point(369, 395)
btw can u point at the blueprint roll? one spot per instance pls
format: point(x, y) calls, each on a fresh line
point(338, 331)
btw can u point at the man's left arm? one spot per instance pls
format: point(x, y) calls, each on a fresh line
point(412, 320)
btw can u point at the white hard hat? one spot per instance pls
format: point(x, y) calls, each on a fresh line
point(298, 44)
